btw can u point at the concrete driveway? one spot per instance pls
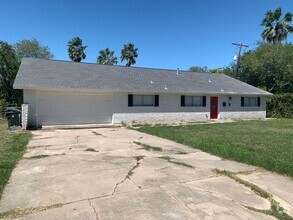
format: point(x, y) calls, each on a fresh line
point(117, 173)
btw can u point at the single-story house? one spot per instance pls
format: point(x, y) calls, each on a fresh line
point(64, 92)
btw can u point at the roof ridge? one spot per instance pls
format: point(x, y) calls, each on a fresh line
point(117, 66)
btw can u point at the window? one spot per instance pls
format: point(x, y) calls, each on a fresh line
point(195, 101)
point(250, 101)
point(143, 100)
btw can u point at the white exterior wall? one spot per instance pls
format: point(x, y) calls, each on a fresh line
point(30, 98)
point(236, 111)
point(169, 110)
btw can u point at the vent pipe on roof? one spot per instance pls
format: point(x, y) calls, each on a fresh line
point(177, 73)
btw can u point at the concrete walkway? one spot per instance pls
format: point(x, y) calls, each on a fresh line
point(116, 173)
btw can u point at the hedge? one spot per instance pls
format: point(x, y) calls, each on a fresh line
point(280, 106)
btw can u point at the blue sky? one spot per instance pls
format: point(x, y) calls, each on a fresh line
point(168, 33)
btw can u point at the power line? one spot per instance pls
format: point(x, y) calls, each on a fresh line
point(239, 45)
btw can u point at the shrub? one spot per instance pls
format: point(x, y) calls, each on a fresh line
point(2, 105)
point(280, 106)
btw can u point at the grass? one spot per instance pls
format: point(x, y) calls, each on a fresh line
point(12, 147)
point(148, 147)
point(263, 143)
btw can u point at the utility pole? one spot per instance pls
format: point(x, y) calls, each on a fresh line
point(238, 57)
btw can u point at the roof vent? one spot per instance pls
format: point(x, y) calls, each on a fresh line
point(166, 87)
point(151, 82)
point(222, 90)
point(177, 73)
point(210, 80)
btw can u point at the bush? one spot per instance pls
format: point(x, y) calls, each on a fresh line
point(2, 105)
point(280, 106)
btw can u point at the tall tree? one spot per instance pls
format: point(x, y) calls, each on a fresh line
point(32, 48)
point(269, 67)
point(9, 64)
point(129, 54)
point(199, 69)
point(276, 30)
point(76, 50)
point(107, 57)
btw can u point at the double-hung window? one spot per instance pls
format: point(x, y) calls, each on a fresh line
point(195, 101)
point(250, 101)
point(143, 100)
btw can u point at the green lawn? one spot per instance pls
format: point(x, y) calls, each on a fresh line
point(12, 147)
point(267, 144)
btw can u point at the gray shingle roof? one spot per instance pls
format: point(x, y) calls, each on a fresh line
point(51, 74)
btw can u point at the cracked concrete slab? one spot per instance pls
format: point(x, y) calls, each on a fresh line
point(280, 186)
point(121, 180)
point(226, 187)
point(76, 211)
point(149, 204)
point(210, 205)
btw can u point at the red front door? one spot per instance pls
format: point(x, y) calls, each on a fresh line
point(214, 107)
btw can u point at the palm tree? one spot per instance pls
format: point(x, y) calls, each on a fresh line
point(107, 57)
point(76, 50)
point(129, 54)
point(276, 30)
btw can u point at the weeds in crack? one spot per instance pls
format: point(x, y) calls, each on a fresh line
point(40, 146)
point(42, 156)
point(276, 210)
point(96, 133)
point(130, 172)
point(148, 147)
point(37, 156)
point(18, 213)
point(91, 150)
point(170, 160)
point(181, 152)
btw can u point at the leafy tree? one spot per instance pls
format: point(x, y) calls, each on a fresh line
point(32, 48)
point(216, 70)
point(199, 69)
point(9, 64)
point(229, 70)
point(76, 50)
point(107, 57)
point(129, 54)
point(269, 67)
point(276, 30)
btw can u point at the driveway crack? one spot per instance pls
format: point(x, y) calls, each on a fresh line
point(178, 200)
point(164, 168)
point(77, 137)
point(97, 214)
point(129, 173)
